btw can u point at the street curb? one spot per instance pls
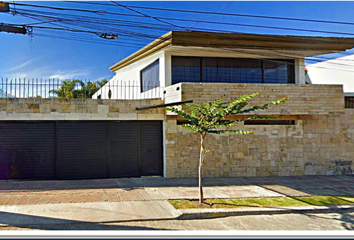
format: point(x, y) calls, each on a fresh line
point(227, 212)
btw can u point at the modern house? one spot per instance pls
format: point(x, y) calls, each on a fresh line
point(122, 133)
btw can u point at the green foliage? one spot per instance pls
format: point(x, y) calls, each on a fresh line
point(209, 117)
point(78, 89)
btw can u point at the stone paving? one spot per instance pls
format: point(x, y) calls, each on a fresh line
point(149, 189)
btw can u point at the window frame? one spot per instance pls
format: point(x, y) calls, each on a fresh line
point(141, 75)
point(291, 72)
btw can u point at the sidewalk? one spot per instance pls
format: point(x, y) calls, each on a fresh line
point(29, 202)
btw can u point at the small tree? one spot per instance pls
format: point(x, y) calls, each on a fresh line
point(209, 118)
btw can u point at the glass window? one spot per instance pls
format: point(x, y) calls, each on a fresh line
point(232, 70)
point(150, 77)
point(276, 71)
point(185, 69)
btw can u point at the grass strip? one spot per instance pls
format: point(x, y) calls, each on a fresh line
point(264, 202)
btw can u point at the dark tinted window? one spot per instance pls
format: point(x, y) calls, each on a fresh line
point(185, 69)
point(270, 122)
point(150, 76)
point(277, 71)
point(231, 70)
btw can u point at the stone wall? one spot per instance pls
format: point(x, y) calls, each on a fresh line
point(78, 109)
point(320, 143)
point(304, 99)
point(316, 145)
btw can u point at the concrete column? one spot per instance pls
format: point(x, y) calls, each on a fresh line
point(299, 71)
point(168, 69)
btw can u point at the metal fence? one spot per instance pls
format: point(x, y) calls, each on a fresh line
point(74, 88)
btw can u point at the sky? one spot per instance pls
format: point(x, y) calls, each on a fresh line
point(37, 56)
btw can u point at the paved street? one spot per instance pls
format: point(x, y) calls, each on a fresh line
point(343, 220)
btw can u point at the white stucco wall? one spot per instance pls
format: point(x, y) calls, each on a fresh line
point(126, 83)
point(335, 71)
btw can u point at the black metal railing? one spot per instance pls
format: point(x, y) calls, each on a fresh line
point(74, 88)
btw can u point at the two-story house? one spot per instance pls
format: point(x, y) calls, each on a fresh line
point(125, 131)
point(312, 134)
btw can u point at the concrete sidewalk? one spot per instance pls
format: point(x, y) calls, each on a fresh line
point(17, 215)
point(147, 189)
point(109, 200)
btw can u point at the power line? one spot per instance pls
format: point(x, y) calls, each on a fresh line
point(218, 10)
point(65, 20)
point(155, 37)
point(231, 24)
point(134, 33)
point(149, 16)
point(244, 15)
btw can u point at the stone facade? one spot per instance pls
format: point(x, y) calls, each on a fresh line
point(320, 143)
point(78, 109)
point(304, 99)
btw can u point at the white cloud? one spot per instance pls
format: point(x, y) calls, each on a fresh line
point(21, 65)
point(69, 74)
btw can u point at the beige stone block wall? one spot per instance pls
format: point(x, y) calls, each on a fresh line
point(316, 145)
point(78, 109)
point(304, 99)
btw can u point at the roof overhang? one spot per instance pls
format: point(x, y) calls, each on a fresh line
point(289, 46)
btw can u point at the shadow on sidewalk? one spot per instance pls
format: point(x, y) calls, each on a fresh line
point(48, 223)
point(311, 185)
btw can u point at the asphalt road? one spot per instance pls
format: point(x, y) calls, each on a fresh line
point(343, 220)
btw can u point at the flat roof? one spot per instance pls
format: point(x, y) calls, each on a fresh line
point(322, 45)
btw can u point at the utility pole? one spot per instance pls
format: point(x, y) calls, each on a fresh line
point(11, 29)
point(4, 7)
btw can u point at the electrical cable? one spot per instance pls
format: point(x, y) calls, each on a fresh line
point(96, 33)
point(176, 19)
point(238, 24)
point(146, 15)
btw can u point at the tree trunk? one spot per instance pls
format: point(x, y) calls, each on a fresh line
point(201, 159)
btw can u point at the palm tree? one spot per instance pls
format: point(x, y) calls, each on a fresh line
point(101, 83)
point(88, 90)
point(67, 89)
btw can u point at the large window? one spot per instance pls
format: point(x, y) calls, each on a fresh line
point(231, 70)
point(150, 76)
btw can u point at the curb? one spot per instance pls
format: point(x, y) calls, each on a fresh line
point(227, 212)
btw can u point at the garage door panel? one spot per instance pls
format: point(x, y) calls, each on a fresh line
point(81, 150)
point(151, 148)
point(123, 149)
point(27, 150)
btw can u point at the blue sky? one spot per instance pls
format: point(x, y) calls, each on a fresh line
point(49, 57)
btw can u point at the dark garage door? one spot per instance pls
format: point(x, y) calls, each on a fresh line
point(80, 149)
